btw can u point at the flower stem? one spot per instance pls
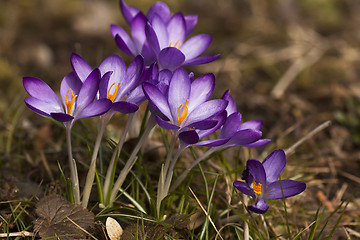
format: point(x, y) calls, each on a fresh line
point(112, 166)
point(131, 161)
point(164, 173)
point(72, 164)
point(91, 173)
point(181, 178)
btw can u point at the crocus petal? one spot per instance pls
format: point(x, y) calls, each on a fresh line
point(195, 46)
point(126, 43)
point(62, 117)
point(274, 165)
point(148, 54)
point(152, 38)
point(96, 108)
point(80, 66)
point(70, 81)
point(165, 124)
point(132, 77)
point(136, 96)
point(176, 28)
point(171, 58)
point(257, 170)
point(231, 125)
point(40, 90)
point(159, 28)
point(138, 30)
point(201, 90)
point(116, 65)
point(88, 91)
point(220, 118)
point(179, 90)
point(201, 60)
point(231, 107)
point(260, 207)
point(213, 142)
point(244, 188)
point(104, 83)
point(189, 137)
point(124, 107)
point(190, 23)
point(160, 9)
point(129, 12)
point(41, 107)
point(203, 125)
point(205, 110)
point(253, 124)
point(156, 97)
point(121, 43)
point(289, 188)
point(244, 137)
point(258, 143)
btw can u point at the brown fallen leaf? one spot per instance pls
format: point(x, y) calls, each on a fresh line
point(58, 218)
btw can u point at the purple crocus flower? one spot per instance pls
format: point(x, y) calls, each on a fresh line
point(261, 181)
point(77, 98)
point(116, 81)
point(186, 104)
point(232, 131)
point(160, 37)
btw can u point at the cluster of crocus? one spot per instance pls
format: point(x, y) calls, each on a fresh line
point(177, 101)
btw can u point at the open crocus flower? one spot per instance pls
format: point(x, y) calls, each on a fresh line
point(77, 98)
point(232, 131)
point(158, 37)
point(116, 81)
point(186, 104)
point(261, 181)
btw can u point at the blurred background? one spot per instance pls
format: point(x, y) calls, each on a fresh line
point(292, 64)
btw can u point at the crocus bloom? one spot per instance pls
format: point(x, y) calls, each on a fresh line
point(116, 81)
point(77, 98)
point(186, 104)
point(261, 181)
point(232, 131)
point(160, 37)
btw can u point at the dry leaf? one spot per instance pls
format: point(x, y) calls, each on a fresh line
point(113, 229)
point(58, 218)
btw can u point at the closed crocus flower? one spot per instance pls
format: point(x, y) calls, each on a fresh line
point(77, 98)
point(261, 181)
point(186, 107)
point(160, 37)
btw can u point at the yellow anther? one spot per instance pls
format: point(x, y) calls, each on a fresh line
point(177, 44)
point(256, 187)
point(181, 117)
point(70, 104)
point(113, 95)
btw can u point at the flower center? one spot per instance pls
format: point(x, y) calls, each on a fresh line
point(177, 44)
point(70, 104)
point(181, 117)
point(256, 187)
point(113, 95)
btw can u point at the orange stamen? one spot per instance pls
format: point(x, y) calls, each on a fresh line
point(177, 44)
point(70, 104)
point(113, 95)
point(256, 187)
point(181, 117)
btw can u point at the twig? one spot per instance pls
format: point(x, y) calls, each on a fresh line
point(82, 229)
point(322, 126)
point(207, 215)
point(309, 59)
point(17, 234)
